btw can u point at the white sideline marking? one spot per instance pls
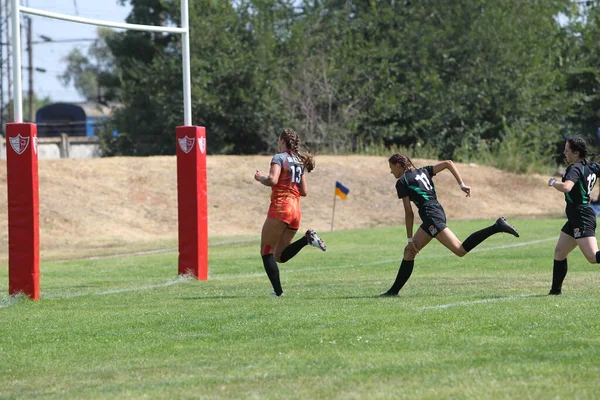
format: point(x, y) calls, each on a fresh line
point(508, 246)
point(180, 279)
point(12, 300)
point(137, 253)
point(395, 260)
point(147, 252)
point(468, 303)
point(4, 303)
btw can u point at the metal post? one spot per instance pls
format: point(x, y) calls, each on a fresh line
point(16, 47)
point(8, 74)
point(1, 72)
point(185, 54)
point(30, 71)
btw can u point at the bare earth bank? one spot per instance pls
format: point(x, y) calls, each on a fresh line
point(107, 205)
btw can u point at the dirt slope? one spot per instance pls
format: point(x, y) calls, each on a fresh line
point(102, 205)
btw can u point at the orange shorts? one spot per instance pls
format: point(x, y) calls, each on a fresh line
point(287, 210)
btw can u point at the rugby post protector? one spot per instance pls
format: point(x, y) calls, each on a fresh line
point(192, 206)
point(23, 210)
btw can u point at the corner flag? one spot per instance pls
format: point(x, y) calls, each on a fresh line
point(341, 191)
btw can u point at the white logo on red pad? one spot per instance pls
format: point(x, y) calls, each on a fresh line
point(202, 144)
point(19, 143)
point(186, 144)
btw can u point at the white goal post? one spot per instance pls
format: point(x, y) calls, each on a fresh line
point(17, 9)
point(22, 168)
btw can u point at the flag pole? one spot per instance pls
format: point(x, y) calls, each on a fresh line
point(333, 213)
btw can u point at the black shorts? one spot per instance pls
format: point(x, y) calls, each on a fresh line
point(433, 217)
point(581, 222)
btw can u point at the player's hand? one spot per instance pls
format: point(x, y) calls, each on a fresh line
point(551, 181)
point(258, 175)
point(412, 248)
point(466, 189)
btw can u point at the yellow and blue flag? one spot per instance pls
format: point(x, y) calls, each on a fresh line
point(341, 190)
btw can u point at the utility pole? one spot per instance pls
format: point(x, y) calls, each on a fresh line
point(30, 69)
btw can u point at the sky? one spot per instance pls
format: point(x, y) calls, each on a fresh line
point(50, 55)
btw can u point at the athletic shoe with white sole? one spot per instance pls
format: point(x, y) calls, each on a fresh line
point(315, 240)
point(506, 227)
point(277, 295)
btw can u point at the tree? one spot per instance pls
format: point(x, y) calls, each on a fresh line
point(94, 75)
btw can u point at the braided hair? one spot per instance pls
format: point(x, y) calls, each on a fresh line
point(292, 142)
point(401, 159)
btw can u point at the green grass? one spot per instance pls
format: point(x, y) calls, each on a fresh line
point(473, 327)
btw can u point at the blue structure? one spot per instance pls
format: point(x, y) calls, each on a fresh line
point(74, 119)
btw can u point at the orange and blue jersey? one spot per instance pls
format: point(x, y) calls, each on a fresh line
point(292, 170)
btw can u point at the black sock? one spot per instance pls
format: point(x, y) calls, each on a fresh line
point(558, 275)
point(477, 237)
point(598, 257)
point(272, 272)
point(406, 269)
point(293, 249)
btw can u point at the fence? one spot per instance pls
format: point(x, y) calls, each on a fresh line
point(64, 146)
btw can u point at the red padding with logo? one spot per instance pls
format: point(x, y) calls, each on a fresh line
point(23, 210)
point(192, 201)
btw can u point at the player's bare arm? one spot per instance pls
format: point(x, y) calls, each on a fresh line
point(303, 187)
point(564, 187)
point(272, 178)
point(450, 166)
point(409, 219)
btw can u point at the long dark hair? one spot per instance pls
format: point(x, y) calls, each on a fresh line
point(401, 159)
point(292, 142)
point(578, 144)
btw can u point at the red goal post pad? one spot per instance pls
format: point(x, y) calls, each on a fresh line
point(192, 202)
point(23, 209)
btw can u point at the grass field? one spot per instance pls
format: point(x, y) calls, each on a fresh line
point(474, 327)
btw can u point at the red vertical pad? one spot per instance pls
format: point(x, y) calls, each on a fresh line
point(192, 202)
point(23, 210)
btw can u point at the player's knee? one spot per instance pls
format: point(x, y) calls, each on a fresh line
point(408, 254)
point(559, 255)
point(461, 252)
point(266, 249)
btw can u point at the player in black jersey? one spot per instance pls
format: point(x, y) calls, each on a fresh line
point(416, 185)
point(580, 229)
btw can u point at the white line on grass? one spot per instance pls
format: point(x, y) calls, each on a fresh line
point(157, 251)
point(12, 300)
point(468, 303)
point(395, 260)
point(180, 279)
point(4, 303)
point(137, 253)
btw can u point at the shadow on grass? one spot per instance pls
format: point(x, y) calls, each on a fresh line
point(212, 297)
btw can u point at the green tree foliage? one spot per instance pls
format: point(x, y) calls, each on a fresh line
point(469, 79)
point(94, 75)
point(583, 76)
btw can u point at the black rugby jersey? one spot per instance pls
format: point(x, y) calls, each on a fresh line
point(583, 175)
point(418, 185)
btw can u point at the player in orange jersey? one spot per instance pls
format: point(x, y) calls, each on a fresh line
point(288, 182)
